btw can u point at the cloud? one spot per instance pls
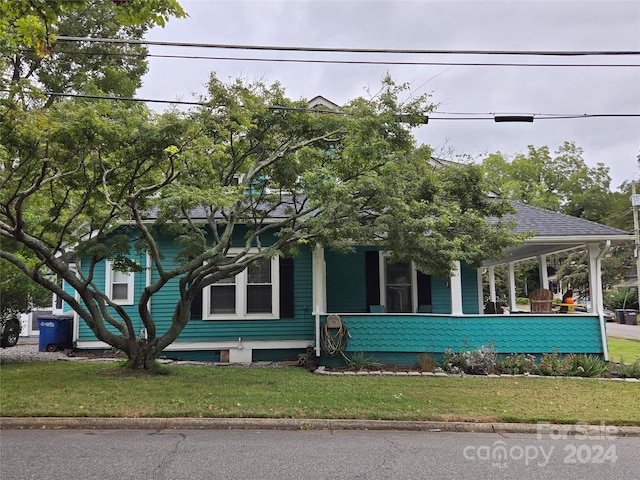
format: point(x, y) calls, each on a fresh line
point(451, 25)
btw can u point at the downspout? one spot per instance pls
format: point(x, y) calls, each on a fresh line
point(603, 330)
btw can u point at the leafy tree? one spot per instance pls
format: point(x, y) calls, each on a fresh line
point(561, 183)
point(101, 180)
point(566, 184)
point(32, 62)
point(18, 293)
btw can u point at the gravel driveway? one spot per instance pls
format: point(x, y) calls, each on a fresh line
point(27, 352)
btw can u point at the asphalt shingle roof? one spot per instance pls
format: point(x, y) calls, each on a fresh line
point(548, 223)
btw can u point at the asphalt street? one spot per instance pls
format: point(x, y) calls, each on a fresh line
point(623, 331)
point(314, 454)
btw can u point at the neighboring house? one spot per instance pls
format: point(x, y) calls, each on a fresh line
point(277, 308)
point(29, 321)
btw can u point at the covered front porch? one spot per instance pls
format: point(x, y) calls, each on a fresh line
point(397, 338)
point(454, 319)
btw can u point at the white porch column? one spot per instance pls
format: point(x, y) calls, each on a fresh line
point(492, 284)
point(319, 289)
point(542, 270)
point(595, 288)
point(512, 286)
point(455, 284)
point(319, 277)
point(479, 281)
point(595, 278)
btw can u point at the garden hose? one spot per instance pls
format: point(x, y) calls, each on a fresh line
point(333, 341)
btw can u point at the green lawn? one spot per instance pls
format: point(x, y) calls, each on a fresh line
point(101, 390)
point(623, 349)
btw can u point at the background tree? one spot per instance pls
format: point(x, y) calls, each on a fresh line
point(18, 294)
point(249, 162)
point(32, 63)
point(564, 183)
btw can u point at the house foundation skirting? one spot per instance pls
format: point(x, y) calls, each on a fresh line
point(239, 351)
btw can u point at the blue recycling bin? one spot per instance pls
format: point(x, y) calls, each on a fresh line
point(56, 333)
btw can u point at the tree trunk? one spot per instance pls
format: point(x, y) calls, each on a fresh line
point(142, 355)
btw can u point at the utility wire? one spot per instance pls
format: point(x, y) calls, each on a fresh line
point(436, 116)
point(351, 62)
point(558, 53)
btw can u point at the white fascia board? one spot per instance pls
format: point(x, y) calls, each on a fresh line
point(577, 239)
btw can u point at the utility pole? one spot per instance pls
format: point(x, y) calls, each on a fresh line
point(635, 204)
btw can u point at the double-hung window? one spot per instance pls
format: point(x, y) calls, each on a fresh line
point(119, 285)
point(252, 293)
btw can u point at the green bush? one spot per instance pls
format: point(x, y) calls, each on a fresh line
point(474, 362)
point(359, 361)
point(516, 364)
point(550, 365)
point(584, 366)
point(426, 362)
point(621, 298)
point(631, 370)
point(484, 361)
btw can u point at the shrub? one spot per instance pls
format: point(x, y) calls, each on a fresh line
point(550, 365)
point(621, 298)
point(516, 364)
point(426, 362)
point(584, 366)
point(359, 361)
point(477, 362)
point(631, 370)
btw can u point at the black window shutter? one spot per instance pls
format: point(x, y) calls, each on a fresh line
point(286, 288)
point(196, 307)
point(424, 289)
point(372, 277)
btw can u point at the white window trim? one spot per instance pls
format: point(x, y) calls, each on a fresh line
point(241, 298)
point(383, 282)
point(109, 284)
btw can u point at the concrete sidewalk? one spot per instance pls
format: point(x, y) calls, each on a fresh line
point(84, 423)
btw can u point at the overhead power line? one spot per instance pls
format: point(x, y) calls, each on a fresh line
point(353, 62)
point(497, 117)
point(558, 53)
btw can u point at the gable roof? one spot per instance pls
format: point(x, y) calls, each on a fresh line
point(320, 101)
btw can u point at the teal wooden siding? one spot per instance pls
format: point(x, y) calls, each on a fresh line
point(469, 290)
point(440, 295)
point(139, 283)
point(301, 326)
point(507, 333)
point(346, 285)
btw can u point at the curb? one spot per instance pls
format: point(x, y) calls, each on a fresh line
point(96, 423)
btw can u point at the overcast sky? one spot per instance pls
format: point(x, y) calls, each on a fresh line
point(434, 25)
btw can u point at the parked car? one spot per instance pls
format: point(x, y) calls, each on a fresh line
point(609, 315)
point(10, 331)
